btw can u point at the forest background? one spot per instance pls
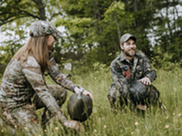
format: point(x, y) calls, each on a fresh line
point(91, 30)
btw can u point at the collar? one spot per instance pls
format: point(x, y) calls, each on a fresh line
point(123, 58)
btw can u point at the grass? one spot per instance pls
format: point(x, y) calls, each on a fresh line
point(103, 122)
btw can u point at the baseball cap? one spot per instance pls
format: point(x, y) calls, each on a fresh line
point(126, 37)
point(40, 28)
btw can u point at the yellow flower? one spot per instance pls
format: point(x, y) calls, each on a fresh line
point(95, 130)
point(105, 126)
point(56, 128)
point(174, 113)
point(25, 128)
point(45, 130)
point(136, 123)
point(167, 117)
point(179, 115)
point(167, 126)
point(2, 130)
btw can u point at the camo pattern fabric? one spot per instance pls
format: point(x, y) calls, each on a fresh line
point(139, 68)
point(21, 80)
point(25, 118)
point(40, 28)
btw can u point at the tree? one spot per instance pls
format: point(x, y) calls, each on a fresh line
point(168, 31)
point(94, 27)
point(16, 16)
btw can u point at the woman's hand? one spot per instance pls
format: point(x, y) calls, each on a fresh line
point(88, 93)
point(83, 91)
point(145, 81)
point(73, 124)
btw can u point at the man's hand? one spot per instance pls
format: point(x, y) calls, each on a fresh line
point(145, 81)
point(73, 124)
point(83, 91)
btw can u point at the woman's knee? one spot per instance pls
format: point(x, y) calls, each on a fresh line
point(59, 93)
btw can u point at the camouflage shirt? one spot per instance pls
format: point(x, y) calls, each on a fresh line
point(139, 68)
point(22, 80)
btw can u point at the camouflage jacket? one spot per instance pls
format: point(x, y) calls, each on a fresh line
point(139, 68)
point(21, 80)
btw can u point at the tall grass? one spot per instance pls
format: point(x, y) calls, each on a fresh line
point(104, 122)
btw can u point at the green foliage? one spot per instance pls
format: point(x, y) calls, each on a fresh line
point(117, 9)
point(165, 60)
point(93, 27)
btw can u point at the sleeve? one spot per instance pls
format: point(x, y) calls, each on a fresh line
point(148, 71)
point(118, 77)
point(33, 74)
point(58, 77)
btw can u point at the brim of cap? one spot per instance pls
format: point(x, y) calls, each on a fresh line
point(130, 37)
point(57, 35)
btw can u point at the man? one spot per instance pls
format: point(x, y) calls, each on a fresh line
point(127, 69)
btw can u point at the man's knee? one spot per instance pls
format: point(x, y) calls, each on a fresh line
point(114, 96)
point(111, 99)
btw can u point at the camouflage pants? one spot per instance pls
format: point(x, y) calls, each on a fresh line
point(26, 118)
point(115, 97)
point(118, 97)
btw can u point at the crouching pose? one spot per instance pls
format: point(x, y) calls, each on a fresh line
point(24, 90)
point(132, 77)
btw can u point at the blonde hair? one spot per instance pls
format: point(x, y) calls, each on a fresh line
point(37, 47)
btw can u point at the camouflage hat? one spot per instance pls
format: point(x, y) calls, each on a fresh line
point(126, 37)
point(40, 28)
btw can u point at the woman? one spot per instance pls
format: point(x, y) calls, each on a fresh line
point(23, 78)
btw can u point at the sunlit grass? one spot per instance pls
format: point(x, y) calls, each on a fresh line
point(103, 122)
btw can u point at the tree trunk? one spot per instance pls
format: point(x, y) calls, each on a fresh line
point(118, 28)
point(41, 8)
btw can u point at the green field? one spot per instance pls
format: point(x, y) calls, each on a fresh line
point(103, 122)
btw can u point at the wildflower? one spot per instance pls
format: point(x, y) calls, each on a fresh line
point(15, 126)
point(167, 117)
point(136, 123)
point(179, 115)
point(95, 130)
point(2, 130)
point(132, 133)
point(167, 126)
point(45, 130)
point(174, 113)
point(56, 128)
point(105, 126)
point(25, 128)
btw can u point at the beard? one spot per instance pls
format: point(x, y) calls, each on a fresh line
point(130, 53)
